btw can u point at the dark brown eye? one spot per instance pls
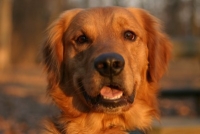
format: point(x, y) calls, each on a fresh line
point(129, 35)
point(82, 39)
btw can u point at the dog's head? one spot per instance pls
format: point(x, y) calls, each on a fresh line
point(105, 59)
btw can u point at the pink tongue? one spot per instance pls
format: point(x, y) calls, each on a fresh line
point(109, 92)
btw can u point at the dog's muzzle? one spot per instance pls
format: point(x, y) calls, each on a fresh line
point(112, 94)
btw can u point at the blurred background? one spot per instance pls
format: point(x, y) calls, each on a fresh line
point(23, 101)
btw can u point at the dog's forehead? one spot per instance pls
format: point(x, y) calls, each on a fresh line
point(107, 11)
point(103, 16)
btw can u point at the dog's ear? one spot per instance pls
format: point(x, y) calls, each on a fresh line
point(53, 48)
point(159, 46)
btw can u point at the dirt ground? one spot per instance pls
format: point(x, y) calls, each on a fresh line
point(24, 104)
point(23, 100)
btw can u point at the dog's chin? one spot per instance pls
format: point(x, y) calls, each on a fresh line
point(111, 98)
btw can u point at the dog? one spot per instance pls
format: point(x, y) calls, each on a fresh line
point(103, 67)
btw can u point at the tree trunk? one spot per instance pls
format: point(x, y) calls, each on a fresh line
point(193, 25)
point(5, 32)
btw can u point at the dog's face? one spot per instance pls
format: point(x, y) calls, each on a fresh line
point(105, 58)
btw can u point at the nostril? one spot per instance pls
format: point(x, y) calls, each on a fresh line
point(101, 65)
point(109, 64)
point(118, 64)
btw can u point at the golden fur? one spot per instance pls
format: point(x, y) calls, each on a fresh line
point(68, 58)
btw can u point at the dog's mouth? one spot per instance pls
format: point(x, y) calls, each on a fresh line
point(110, 96)
point(111, 92)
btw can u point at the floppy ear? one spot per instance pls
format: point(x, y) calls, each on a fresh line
point(53, 47)
point(159, 46)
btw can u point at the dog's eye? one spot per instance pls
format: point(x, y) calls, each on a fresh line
point(82, 39)
point(129, 35)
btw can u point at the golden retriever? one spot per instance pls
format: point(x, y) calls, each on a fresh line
point(103, 67)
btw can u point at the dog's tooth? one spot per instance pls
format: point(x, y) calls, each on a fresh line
point(113, 98)
point(119, 96)
point(116, 97)
point(105, 97)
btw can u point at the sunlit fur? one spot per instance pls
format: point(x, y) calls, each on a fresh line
point(146, 60)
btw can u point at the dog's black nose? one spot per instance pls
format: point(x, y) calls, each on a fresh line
point(109, 64)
